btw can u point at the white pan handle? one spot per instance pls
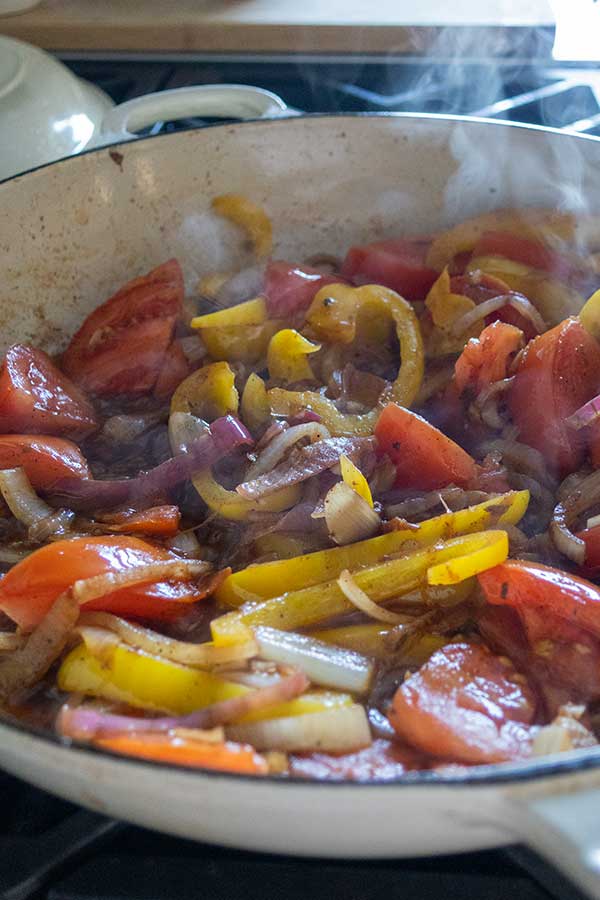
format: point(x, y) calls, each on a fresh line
point(565, 829)
point(229, 101)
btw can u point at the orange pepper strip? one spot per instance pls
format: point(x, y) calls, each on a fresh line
point(227, 757)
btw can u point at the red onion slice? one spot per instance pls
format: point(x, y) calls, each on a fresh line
point(586, 414)
point(226, 434)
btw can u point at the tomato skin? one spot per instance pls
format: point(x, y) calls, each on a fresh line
point(591, 539)
point(45, 459)
point(523, 250)
point(486, 359)
point(36, 398)
point(557, 373)
point(525, 584)
point(122, 346)
point(383, 760)
point(397, 264)
point(29, 589)
point(465, 706)
point(424, 457)
point(175, 369)
point(290, 289)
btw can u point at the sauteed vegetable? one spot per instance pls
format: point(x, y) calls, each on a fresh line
point(330, 518)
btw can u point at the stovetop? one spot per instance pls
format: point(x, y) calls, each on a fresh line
point(49, 848)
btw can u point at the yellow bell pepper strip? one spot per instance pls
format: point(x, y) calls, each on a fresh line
point(126, 675)
point(355, 479)
point(231, 505)
point(249, 216)
point(208, 393)
point(391, 579)
point(252, 312)
point(286, 356)
point(271, 579)
point(255, 407)
point(542, 224)
point(234, 344)
point(472, 563)
point(347, 302)
point(590, 315)
point(445, 306)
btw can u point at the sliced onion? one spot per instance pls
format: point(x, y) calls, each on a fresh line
point(87, 589)
point(592, 522)
point(225, 435)
point(185, 543)
point(332, 731)
point(324, 664)
point(348, 516)
point(201, 656)
point(20, 497)
point(522, 457)
point(565, 513)
point(193, 348)
point(311, 460)
point(586, 414)
point(482, 310)
point(487, 402)
point(279, 446)
point(10, 641)
point(24, 667)
point(125, 429)
point(361, 601)
point(86, 723)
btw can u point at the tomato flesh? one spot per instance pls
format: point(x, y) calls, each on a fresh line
point(36, 398)
point(122, 347)
point(397, 264)
point(29, 589)
point(465, 705)
point(46, 460)
point(558, 372)
point(424, 457)
point(290, 289)
point(383, 760)
point(485, 359)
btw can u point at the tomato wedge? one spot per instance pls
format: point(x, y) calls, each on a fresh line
point(122, 347)
point(524, 585)
point(158, 520)
point(29, 589)
point(424, 457)
point(465, 705)
point(36, 398)
point(180, 751)
point(591, 539)
point(46, 460)
point(558, 372)
point(486, 359)
point(398, 264)
point(290, 289)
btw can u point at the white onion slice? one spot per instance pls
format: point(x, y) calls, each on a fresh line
point(348, 516)
point(10, 641)
point(185, 543)
point(88, 589)
point(278, 447)
point(332, 731)
point(521, 304)
point(585, 495)
point(20, 497)
point(361, 601)
point(322, 663)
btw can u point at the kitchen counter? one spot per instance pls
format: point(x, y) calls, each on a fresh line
point(248, 26)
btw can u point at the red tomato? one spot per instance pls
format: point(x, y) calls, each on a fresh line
point(122, 346)
point(290, 289)
point(175, 368)
point(465, 705)
point(383, 760)
point(526, 584)
point(35, 397)
point(591, 538)
point(522, 250)
point(161, 520)
point(29, 589)
point(486, 359)
point(558, 372)
point(397, 264)
point(424, 457)
point(45, 459)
